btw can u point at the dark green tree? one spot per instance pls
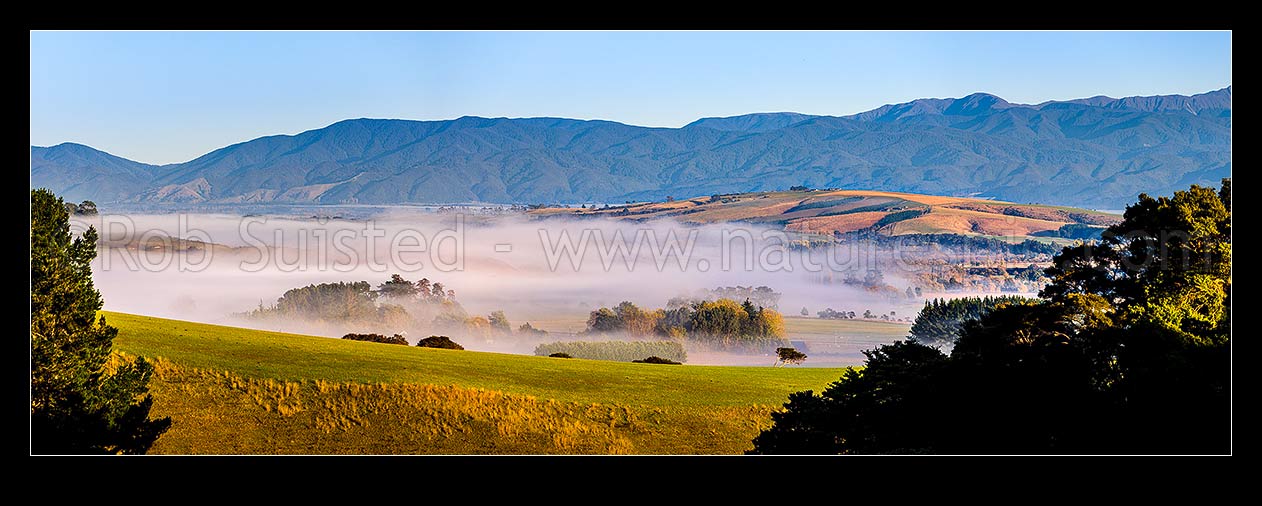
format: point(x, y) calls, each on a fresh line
point(603, 320)
point(1128, 351)
point(442, 342)
point(398, 288)
point(883, 408)
point(87, 208)
point(940, 320)
point(82, 401)
point(789, 356)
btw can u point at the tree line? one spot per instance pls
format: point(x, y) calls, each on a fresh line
point(763, 296)
point(396, 304)
point(833, 314)
point(940, 320)
point(85, 208)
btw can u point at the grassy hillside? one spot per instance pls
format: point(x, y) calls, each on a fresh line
point(233, 390)
point(825, 212)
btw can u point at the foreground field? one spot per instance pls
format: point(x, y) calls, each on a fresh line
point(233, 390)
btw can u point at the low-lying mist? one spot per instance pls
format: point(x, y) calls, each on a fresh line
point(551, 271)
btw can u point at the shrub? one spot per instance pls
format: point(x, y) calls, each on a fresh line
point(377, 338)
point(656, 360)
point(560, 355)
point(443, 342)
point(621, 351)
point(789, 356)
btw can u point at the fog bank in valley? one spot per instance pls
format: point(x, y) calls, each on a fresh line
point(533, 269)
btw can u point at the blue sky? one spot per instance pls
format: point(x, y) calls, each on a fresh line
point(163, 97)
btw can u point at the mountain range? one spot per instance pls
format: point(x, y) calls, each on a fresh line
point(1096, 152)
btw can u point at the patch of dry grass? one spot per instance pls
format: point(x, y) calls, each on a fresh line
point(962, 221)
point(841, 222)
point(218, 412)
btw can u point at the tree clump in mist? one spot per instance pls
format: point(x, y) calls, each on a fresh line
point(396, 305)
point(528, 330)
point(342, 305)
point(785, 356)
point(832, 314)
point(721, 324)
point(762, 296)
point(1126, 351)
point(85, 399)
point(499, 323)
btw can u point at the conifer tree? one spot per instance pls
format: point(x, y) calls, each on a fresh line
point(81, 401)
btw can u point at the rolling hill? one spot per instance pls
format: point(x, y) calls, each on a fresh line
point(831, 212)
point(1097, 152)
point(231, 390)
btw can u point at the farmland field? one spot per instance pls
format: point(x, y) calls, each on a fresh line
point(232, 390)
point(843, 211)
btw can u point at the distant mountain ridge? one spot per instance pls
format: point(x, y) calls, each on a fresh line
point(756, 122)
point(1214, 101)
point(1095, 152)
point(84, 173)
